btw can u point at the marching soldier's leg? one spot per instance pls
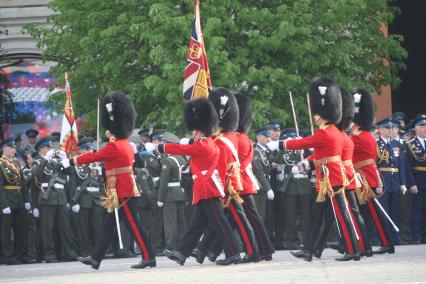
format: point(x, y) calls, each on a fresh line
point(7, 246)
point(67, 239)
point(383, 227)
point(329, 222)
point(364, 239)
point(97, 215)
point(264, 244)
point(170, 225)
point(109, 230)
point(47, 219)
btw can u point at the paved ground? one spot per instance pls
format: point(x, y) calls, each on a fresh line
point(408, 265)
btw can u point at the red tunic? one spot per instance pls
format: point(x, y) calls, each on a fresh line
point(203, 153)
point(117, 154)
point(366, 148)
point(227, 158)
point(245, 154)
point(327, 142)
point(347, 153)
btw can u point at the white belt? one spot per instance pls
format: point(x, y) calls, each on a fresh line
point(92, 189)
point(249, 171)
point(56, 185)
point(216, 180)
point(300, 176)
point(155, 179)
point(173, 184)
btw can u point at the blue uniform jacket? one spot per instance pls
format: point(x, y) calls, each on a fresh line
point(391, 164)
point(417, 163)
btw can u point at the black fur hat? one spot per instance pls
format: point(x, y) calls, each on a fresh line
point(325, 98)
point(347, 110)
point(118, 114)
point(244, 106)
point(200, 115)
point(226, 107)
point(364, 109)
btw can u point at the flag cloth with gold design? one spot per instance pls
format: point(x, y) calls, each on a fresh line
point(197, 81)
point(69, 137)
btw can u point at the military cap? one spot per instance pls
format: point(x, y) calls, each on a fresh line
point(348, 111)
point(363, 108)
point(118, 114)
point(226, 107)
point(86, 143)
point(325, 98)
point(158, 135)
point(9, 142)
point(44, 142)
point(263, 131)
point(419, 120)
point(31, 133)
point(200, 115)
point(143, 132)
point(273, 125)
point(400, 116)
point(388, 122)
point(288, 133)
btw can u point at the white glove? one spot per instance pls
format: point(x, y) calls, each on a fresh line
point(75, 208)
point(150, 147)
point(27, 206)
point(270, 194)
point(65, 163)
point(61, 154)
point(68, 206)
point(281, 176)
point(36, 213)
point(305, 164)
point(414, 189)
point(295, 170)
point(7, 211)
point(50, 154)
point(160, 204)
point(273, 145)
point(135, 149)
point(184, 141)
point(379, 190)
point(403, 189)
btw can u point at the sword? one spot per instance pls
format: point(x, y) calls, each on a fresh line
point(295, 120)
point(350, 217)
point(310, 114)
point(117, 221)
point(325, 172)
point(386, 214)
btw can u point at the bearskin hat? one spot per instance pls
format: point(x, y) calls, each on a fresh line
point(226, 107)
point(244, 106)
point(200, 115)
point(347, 110)
point(325, 98)
point(118, 114)
point(364, 109)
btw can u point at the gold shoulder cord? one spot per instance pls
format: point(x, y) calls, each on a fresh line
point(382, 155)
point(417, 158)
point(4, 164)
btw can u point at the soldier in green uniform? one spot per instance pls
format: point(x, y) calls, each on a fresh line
point(144, 205)
point(12, 206)
point(171, 195)
point(32, 139)
point(85, 193)
point(50, 203)
point(262, 171)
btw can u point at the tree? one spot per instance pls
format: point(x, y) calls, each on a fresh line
point(262, 48)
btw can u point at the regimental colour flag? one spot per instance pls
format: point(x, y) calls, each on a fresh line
point(69, 137)
point(197, 81)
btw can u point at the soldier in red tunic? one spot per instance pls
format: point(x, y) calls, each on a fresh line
point(118, 118)
point(208, 189)
point(352, 184)
point(226, 139)
point(326, 105)
point(364, 160)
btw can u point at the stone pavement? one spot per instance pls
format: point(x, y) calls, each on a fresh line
point(408, 265)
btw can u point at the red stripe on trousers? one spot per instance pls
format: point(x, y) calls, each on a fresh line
point(230, 245)
point(255, 226)
point(379, 226)
point(346, 236)
point(361, 239)
point(135, 230)
point(242, 229)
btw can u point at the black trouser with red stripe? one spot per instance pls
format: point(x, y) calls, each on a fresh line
point(238, 219)
point(264, 244)
point(127, 214)
point(373, 214)
point(364, 242)
point(208, 212)
point(323, 214)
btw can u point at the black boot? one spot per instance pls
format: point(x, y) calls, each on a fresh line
point(198, 255)
point(89, 261)
point(251, 258)
point(382, 250)
point(347, 257)
point(267, 257)
point(211, 256)
point(176, 256)
point(145, 263)
point(367, 253)
point(306, 255)
point(318, 253)
point(235, 259)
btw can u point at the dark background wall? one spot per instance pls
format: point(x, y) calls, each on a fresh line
point(410, 96)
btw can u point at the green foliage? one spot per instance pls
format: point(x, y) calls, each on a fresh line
point(262, 48)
